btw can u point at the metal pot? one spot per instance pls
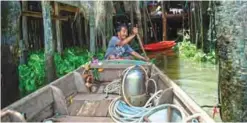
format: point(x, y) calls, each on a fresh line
point(134, 87)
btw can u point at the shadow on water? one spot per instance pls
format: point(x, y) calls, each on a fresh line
point(198, 80)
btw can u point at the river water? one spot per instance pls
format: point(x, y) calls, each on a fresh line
point(198, 80)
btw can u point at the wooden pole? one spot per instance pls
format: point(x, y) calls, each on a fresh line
point(24, 26)
point(58, 30)
point(145, 24)
point(103, 34)
point(164, 20)
point(92, 31)
point(79, 27)
point(141, 45)
point(131, 14)
point(139, 19)
point(109, 29)
point(49, 49)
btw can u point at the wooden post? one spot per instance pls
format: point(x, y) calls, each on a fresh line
point(109, 27)
point(139, 19)
point(58, 30)
point(79, 27)
point(104, 30)
point(48, 38)
point(164, 22)
point(131, 14)
point(145, 24)
point(24, 25)
point(92, 31)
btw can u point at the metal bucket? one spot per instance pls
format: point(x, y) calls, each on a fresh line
point(162, 114)
point(134, 87)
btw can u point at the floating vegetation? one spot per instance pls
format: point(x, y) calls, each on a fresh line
point(189, 51)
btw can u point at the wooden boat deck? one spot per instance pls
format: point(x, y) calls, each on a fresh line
point(90, 105)
point(88, 108)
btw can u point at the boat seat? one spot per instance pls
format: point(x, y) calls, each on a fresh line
point(67, 118)
point(94, 96)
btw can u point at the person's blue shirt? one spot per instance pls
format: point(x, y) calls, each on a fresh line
point(117, 51)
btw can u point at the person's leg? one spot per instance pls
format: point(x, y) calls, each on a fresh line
point(111, 57)
point(128, 57)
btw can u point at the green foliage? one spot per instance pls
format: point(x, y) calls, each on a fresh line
point(32, 74)
point(189, 51)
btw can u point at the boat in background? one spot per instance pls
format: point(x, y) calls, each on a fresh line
point(159, 46)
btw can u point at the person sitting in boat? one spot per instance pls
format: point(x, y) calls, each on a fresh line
point(118, 46)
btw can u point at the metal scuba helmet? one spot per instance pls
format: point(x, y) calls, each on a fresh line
point(133, 86)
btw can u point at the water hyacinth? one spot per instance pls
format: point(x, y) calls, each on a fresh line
point(189, 51)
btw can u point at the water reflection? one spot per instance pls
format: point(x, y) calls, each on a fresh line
point(198, 80)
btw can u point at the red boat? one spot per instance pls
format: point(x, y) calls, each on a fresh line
point(159, 45)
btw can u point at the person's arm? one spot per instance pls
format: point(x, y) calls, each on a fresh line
point(127, 40)
point(139, 56)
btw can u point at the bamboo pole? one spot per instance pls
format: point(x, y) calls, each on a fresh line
point(49, 49)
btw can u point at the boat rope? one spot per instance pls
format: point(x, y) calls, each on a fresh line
point(121, 112)
point(113, 87)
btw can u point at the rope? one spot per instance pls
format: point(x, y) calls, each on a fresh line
point(121, 112)
point(113, 87)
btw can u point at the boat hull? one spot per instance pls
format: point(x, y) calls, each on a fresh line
point(70, 101)
point(159, 46)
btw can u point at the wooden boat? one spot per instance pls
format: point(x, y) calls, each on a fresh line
point(68, 100)
point(159, 46)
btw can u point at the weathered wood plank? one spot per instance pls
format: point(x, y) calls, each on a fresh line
point(39, 15)
point(75, 107)
point(102, 109)
point(68, 8)
point(101, 89)
point(94, 97)
point(45, 113)
point(89, 109)
point(84, 119)
point(66, 84)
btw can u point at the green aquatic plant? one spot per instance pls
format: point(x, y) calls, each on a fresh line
point(189, 51)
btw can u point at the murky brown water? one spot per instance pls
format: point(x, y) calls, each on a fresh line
point(198, 80)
